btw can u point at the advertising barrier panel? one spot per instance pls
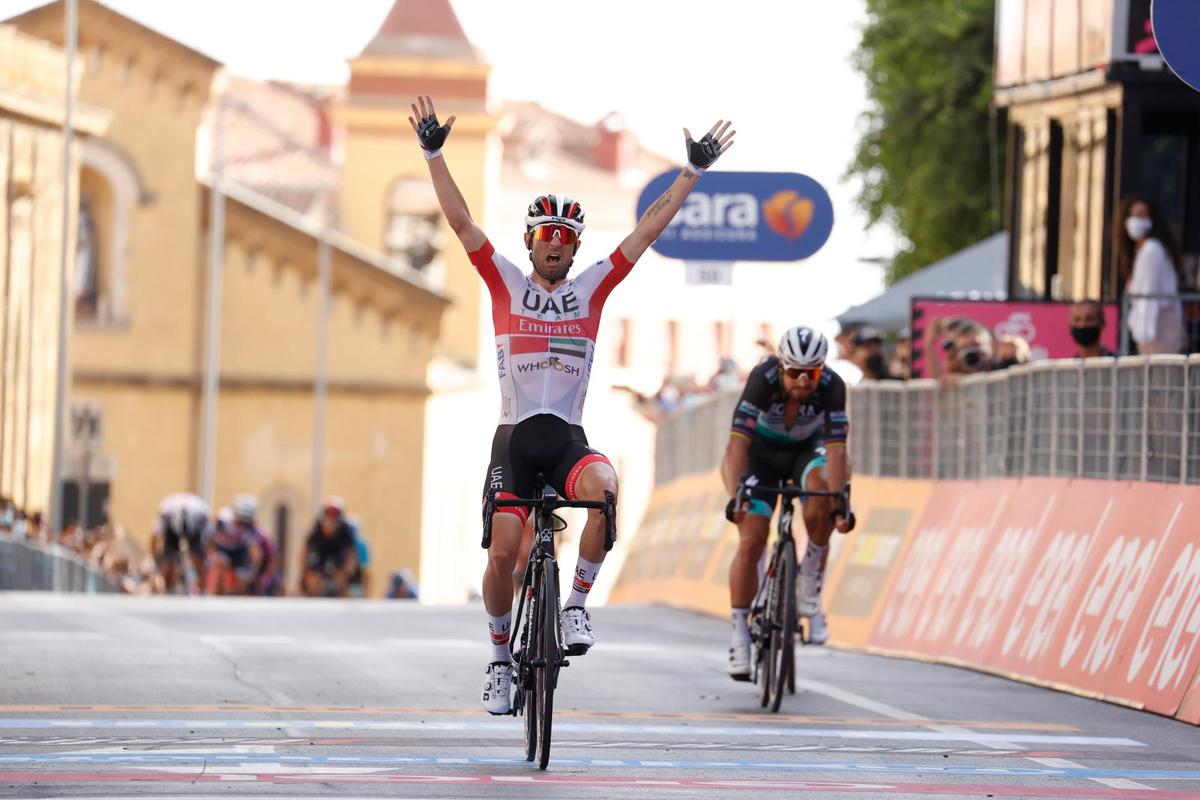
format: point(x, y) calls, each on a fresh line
point(1086, 585)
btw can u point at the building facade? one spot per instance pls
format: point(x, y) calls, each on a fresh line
point(138, 341)
point(33, 93)
point(1094, 115)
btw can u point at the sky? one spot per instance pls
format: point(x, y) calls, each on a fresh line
point(779, 69)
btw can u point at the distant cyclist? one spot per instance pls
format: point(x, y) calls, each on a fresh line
point(181, 518)
point(546, 325)
point(790, 423)
point(330, 553)
point(241, 557)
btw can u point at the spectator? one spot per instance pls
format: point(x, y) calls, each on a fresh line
point(967, 344)
point(868, 355)
point(1010, 351)
point(1149, 263)
point(900, 367)
point(402, 586)
point(360, 581)
point(1087, 324)
point(844, 365)
point(727, 376)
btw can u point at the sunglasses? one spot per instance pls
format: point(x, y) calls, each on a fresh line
point(812, 373)
point(545, 233)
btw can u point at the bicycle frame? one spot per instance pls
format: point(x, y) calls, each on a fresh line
point(540, 654)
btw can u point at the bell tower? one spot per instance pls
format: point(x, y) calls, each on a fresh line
point(386, 198)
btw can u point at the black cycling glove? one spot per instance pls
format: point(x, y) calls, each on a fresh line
point(430, 134)
point(703, 153)
point(730, 509)
point(841, 512)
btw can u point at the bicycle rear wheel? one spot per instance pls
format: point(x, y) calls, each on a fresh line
point(551, 650)
point(530, 653)
point(783, 624)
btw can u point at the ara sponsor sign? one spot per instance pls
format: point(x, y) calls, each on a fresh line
point(744, 216)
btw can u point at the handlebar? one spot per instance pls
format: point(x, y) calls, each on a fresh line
point(793, 491)
point(550, 501)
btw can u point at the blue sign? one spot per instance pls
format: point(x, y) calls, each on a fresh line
point(744, 216)
point(1177, 29)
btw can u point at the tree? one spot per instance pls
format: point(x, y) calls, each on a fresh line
point(928, 158)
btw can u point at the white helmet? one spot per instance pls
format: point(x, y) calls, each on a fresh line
point(802, 346)
point(245, 507)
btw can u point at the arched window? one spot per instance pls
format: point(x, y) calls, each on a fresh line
point(413, 234)
point(109, 189)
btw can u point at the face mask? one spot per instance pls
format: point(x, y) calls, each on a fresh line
point(1086, 336)
point(1138, 228)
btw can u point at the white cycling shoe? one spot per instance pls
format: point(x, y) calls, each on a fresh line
point(739, 662)
point(577, 630)
point(497, 688)
point(818, 629)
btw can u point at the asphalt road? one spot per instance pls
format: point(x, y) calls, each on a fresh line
point(181, 697)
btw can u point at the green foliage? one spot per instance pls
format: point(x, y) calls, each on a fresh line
point(926, 155)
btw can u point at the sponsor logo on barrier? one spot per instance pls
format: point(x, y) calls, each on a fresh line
point(954, 575)
point(1112, 597)
point(1176, 615)
point(916, 575)
point(1048, 593)
point(994, 588)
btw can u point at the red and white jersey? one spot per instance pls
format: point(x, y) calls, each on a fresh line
point(545, 341)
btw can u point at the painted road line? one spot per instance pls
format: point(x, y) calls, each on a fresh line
point(52, 636)
point(18, 723)
point(220, 760)
point(792, 787)
point(473, 711)
point(877, 707)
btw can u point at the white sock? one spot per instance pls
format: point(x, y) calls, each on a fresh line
point(499, 628)
point(585, 576)
point(741, 626)
point(814, 559)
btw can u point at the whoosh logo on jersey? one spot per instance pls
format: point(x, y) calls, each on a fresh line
point(553, 362)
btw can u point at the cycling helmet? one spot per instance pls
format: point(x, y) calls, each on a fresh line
point(802, 346)
point(554, 208)
point(245, 507)
point(334, 507)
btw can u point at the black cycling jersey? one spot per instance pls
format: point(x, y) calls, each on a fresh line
point(334, 550)
point(760, 414)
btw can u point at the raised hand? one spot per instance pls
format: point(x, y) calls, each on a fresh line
point(703, 153)
point(424, 123)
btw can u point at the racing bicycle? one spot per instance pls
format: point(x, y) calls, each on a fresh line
point(539, 653)
point(773, 619)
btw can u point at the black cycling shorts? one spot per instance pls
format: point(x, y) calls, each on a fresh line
point(543, 444)
point(171, 543)
point(772, 466)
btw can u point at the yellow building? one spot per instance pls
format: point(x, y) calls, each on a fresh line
point(138, 345)
point(33, 91)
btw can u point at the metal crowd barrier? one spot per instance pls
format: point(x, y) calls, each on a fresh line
point(1132, 418)
point(25, 565)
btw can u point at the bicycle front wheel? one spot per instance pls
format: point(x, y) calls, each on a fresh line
point(530, 653)
point(551, 650)
point(783, 624)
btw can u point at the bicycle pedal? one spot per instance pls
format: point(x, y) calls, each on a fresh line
point(564, 663)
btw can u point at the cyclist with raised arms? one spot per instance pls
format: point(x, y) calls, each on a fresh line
point(546, 325)
point(789, 423)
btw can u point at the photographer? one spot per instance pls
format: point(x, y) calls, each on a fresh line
point(966, 343)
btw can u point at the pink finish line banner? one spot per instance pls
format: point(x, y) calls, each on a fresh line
point(1045, 326)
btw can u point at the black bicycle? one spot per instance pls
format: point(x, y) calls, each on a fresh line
point(773, 616)
point(540, 654)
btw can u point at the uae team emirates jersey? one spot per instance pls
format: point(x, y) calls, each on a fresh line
point(545, 341)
